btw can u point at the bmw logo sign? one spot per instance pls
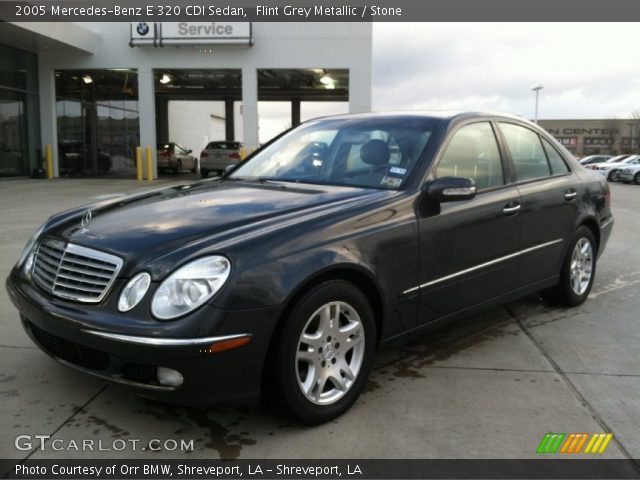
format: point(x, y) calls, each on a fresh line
point(142, 28)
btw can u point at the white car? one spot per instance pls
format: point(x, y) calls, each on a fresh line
point(218, 156)
point(591, 159)
point(609, 169)
point(630, 173)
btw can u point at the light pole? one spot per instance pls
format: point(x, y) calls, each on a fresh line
point(537, 89)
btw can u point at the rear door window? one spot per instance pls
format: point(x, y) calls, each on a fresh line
point(529, 159)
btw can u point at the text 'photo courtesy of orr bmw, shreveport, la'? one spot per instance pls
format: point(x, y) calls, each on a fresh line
point(283, 277)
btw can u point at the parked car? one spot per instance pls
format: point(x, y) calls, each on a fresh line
point(610, 168)
point(175, 157)
point(218, 156)
point(76, 158)
point(10, 161)
point(285, 281)
point(594, 159)
point(630, 173)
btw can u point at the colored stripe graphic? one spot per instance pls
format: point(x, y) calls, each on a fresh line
point(554, 442)
point(598, 442)
point(551, 442)
point(574, 443)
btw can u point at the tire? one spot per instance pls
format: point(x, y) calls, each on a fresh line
point(195, 167)
point(571, 292)
point(613, 176)
point(204, 173)
point(636, 178)
point(330, 350)
point(178, 167)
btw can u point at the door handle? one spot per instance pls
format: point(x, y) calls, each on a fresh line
point(570, 195)
point(511, 208)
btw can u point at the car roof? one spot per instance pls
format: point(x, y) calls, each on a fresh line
point(438, 114)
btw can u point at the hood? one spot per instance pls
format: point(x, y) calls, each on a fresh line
point(161, 221)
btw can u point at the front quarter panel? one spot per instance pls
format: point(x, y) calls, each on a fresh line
point(379, 242)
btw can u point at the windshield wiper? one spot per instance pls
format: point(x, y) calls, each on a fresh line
point(261, 180)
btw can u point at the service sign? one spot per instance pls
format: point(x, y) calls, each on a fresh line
point(191, 33)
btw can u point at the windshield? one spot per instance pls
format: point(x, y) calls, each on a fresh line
point(619, 158)
point(373, 153)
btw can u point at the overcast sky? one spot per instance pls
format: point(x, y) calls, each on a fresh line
point(588, 70)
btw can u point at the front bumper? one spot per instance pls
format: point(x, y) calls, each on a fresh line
point(131, 357)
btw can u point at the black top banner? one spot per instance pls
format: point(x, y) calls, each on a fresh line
point(318, 10)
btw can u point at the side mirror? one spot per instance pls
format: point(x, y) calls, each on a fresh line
point(451, 189)
point(189, 151)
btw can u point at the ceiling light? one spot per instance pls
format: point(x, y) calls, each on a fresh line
point(87, 79)
point(166, 78)
point(326, 79)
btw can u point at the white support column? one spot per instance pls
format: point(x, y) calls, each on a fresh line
point(48, 120)
point(359, 98)
point(147, 115)
point(250, 107)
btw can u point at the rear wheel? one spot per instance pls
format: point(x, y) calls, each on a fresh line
point(204, 173)
point(636, 178)
point(195, 166)
point(578, 271)
point(324, 353)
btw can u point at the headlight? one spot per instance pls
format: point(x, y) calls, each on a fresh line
point(133, 291)
point(190, 286)
point(26, 257)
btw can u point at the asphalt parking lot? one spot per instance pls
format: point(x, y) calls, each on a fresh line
point(489, 386)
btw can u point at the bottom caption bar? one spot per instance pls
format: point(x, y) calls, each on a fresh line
point(325, 469)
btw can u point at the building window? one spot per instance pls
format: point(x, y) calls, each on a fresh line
point(97, 121)
point(19, 112)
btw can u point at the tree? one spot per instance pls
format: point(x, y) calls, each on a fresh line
point(634, 125)
point(612, 125)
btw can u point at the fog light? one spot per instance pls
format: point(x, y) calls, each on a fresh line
point(169, 377)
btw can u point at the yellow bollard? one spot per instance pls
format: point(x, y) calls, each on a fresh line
point(149, 164)
point(139, 166)
point(49, 157)
point(243, 153)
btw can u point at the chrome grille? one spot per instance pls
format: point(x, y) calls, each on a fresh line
point(74, 272)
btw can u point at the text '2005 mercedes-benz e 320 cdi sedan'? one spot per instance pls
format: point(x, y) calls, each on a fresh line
point(284, 277)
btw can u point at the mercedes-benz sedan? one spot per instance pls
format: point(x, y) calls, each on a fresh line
point(285, 276)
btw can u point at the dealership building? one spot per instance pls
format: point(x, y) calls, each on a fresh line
point(587, 137)
point(96, 91)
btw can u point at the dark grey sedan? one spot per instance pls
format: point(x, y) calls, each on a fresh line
point(286, 275)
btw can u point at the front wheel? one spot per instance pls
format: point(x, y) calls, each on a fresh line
point(636, 178)
point(324, 354)
point(613, 176)
point(178, 167)
point(578, 270)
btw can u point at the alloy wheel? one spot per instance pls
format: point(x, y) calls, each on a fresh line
point(581, 266)
point(330, 353)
